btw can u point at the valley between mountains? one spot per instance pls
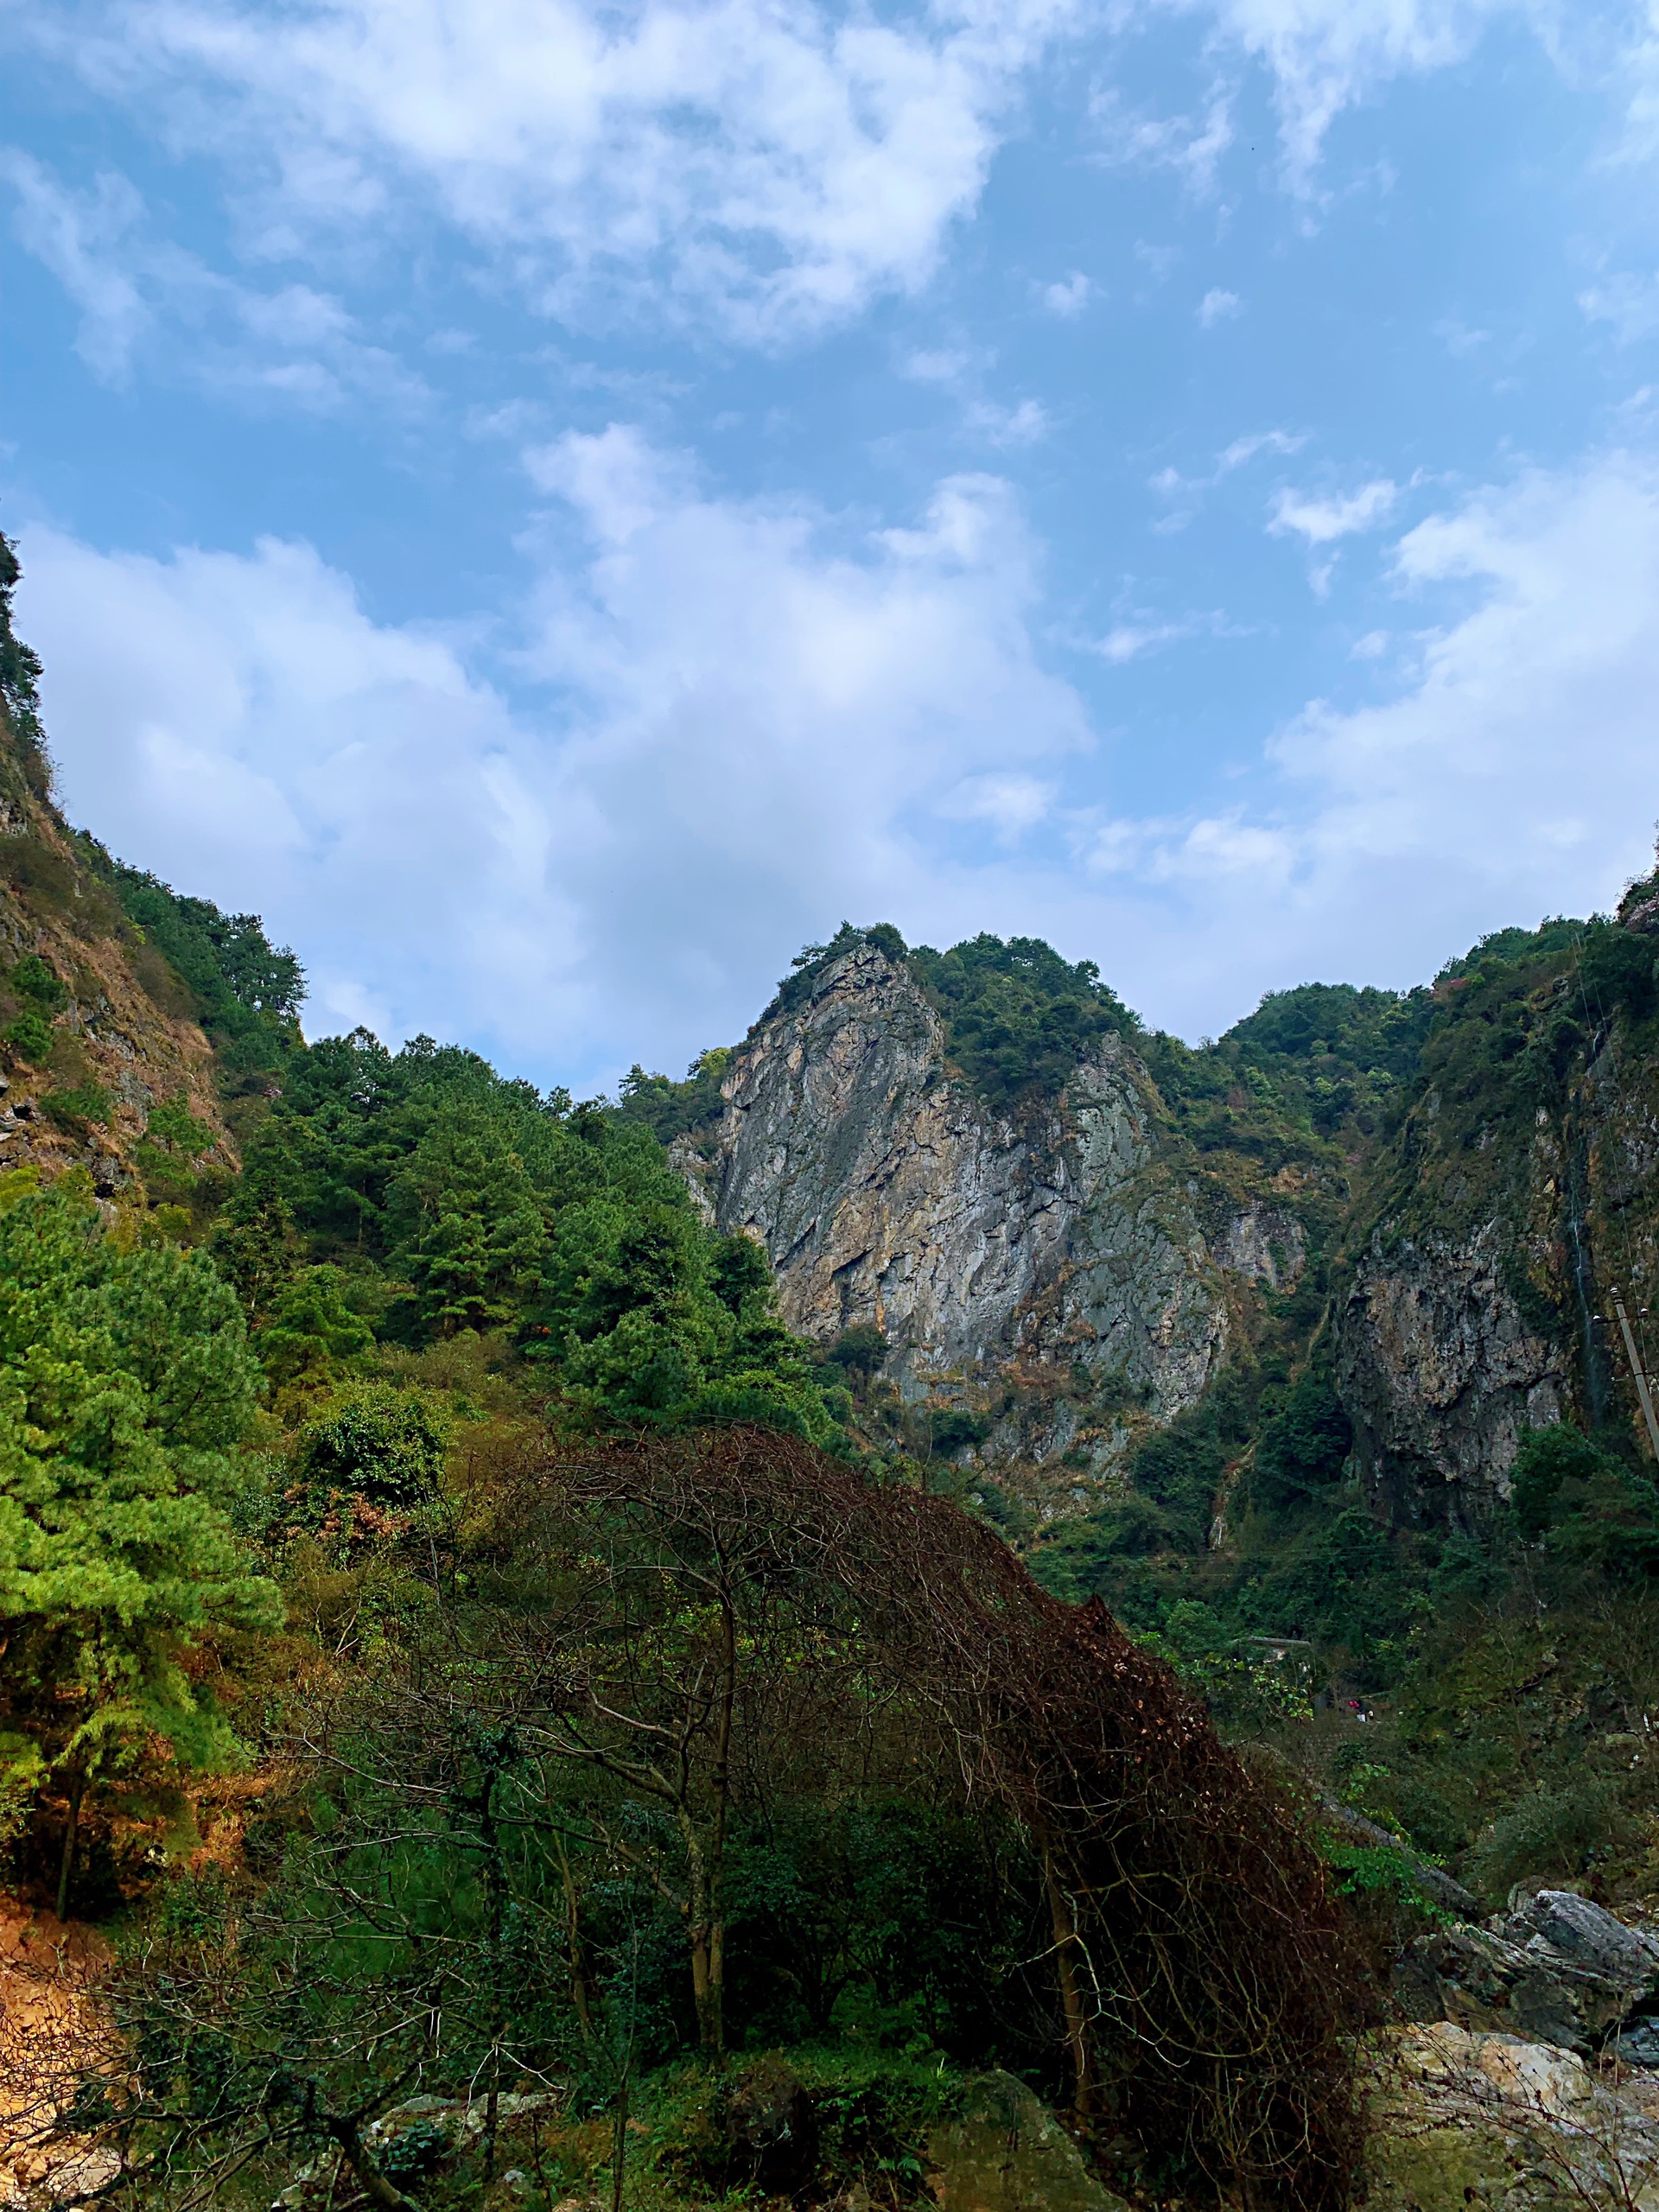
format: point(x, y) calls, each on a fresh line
point(968, 1603)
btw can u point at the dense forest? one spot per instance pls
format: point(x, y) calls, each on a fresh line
point(468, 1657)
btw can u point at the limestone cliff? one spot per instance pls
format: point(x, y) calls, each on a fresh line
point(1439, 1373)
point(1050, 1270)
point(1521, 1193)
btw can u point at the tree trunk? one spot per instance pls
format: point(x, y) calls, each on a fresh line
point(579, 1994)
point(620, 2143)
point(706, 1991)
point(77, 1788)
point(1071, 2003)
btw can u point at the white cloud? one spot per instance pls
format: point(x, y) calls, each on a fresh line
point(739, 722)
point(743, 729)
point(1010, 805)
point(1513, 773)
point(942, 365)
point(1184, 494)
point(1006, 427)
point(772, 162)
point(1321, 522)
point(134, 291)
point(80, 237)
point(1629, 304)
point(1127, 641)
point(1328, 55)
point(1068, 295)
point(1217, 306)
point(1528, 729)
point(1190, 145)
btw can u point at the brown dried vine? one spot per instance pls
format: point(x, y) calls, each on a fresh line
point(1210, 1989)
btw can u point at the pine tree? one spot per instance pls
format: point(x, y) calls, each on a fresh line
point(125, 1383)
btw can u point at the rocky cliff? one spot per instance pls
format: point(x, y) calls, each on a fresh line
point(1520, 1196)
point(1077, 1268)
point(1056, 1271)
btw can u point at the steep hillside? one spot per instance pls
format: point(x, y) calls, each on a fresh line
point(105, 979)
point(1518, 1197)
point(1076, 1232)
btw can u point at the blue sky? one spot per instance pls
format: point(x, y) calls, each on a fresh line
point(556, 506)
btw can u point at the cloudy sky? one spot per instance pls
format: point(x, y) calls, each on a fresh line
point(556, 505)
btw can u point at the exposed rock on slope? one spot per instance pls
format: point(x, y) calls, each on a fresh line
point(1439, 1373)
point(1051, 1270)
point(1520, 1193)
point(115, 1034)
point(105, 1032)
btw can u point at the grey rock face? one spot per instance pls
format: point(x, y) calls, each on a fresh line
point(1479, 1980)
point(887, 1191)
point(1571, 1927)
point(1439, 1373)
point(1561, 1971)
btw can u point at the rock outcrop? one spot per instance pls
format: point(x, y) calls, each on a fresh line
point(1051, 1270)
point(123, 1035)
point(1560, 1970)
point(1465, 2120)
point(1521, 1192)
point(1004, 2151)
point(1439, 1373)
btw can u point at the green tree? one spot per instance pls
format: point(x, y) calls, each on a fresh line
point(37, 979)
point(29, 1036)
point(312, 1333)
point(471, 1230)
point(125, 1383)
point(1303, 1449)
point(370, 1458)
point(1546, 1460)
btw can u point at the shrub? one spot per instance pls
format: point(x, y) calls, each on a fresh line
point(71, 1109)
point(1548, 1458)
point(1303, 1448)
point(43, 877)
point(859, 1351)
point(375, 1451)
point(1551, 1834)
point(29, 1037)
point(33, 978)
point(955, 1430)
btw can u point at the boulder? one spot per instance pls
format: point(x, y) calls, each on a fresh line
point(1005, 2152)
point(1491, 2123)
point(1479, 1980)
point(1559, 1923)
point(1557, 1970)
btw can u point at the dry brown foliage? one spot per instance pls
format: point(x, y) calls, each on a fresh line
point(1211, 1988)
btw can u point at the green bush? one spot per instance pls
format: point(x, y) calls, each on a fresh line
point(1303, 1448)
point(73, 1108)
point(1550, 1836)
point(859, 1350)
point(955, 1430)
point(33, 978)
point(1548, 1458)
point(29, 1036)
point(373, 1446)
point(1019, 1019)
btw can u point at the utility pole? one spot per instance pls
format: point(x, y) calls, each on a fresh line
point(1635, 1357)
